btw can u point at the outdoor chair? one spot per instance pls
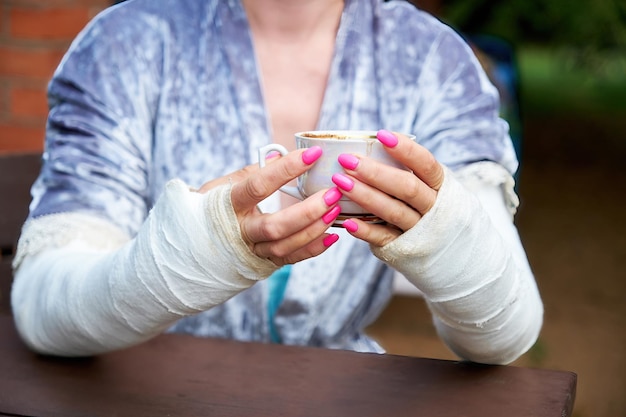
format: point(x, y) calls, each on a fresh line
point(17, 174)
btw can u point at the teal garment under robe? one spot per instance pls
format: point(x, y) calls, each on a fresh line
point(277, 283)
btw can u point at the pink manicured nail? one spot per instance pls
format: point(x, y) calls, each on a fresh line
point(331, 215)
point(332, 196)
point(311, 155)
point(343, 182)
point(348, 161)
point(350, 226)
point(387, 138)
point(330, 239)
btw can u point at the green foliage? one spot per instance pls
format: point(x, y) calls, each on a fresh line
point(584, 32)
point(549, 86)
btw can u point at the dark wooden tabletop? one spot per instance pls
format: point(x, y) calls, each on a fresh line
point(176, 375)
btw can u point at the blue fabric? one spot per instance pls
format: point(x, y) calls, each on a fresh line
point(277, 283)
point(158, 89)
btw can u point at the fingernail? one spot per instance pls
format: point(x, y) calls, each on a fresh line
point(348, 161)
point(331, 215)
point(330, 239)
point(343, 182)
point(387, 138)
point(311, 155)
point(350, 226)
point(332, 196)
point(272, 154)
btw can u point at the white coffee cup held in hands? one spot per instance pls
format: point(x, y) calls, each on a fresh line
point(333, 144)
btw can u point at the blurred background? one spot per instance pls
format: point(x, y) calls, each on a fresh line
point(561, 69)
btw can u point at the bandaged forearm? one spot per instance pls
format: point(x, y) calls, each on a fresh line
point(82, 288)
point(474, 276)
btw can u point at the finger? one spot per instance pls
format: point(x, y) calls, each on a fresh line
point(414, 156)
point(301, 245)
point(294, 222)
point(374, 234)
point(272, 156)
point(401, 184)
point(315, 248)
point(267, 180)
point(379, 202)
point(234, 177)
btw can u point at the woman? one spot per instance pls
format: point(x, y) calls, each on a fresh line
point(158, 97)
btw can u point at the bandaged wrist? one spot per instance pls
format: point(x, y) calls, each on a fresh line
point(76, 297)
point(484, 302)
point(442, 254)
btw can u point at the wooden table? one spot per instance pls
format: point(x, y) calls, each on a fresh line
point(176, 375)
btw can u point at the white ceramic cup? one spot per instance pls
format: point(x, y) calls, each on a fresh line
point(333, 144)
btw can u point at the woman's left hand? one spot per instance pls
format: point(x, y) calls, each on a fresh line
point(397, 196)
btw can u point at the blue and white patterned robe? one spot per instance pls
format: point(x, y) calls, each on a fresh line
point(157, 89)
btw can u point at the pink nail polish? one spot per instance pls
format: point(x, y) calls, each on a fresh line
point(330, 239)
point(348, 161)
point(331, 215)
point(350, 226)
point(311, 155)
point(343, 182)
point(332, 196)
point(387, 138)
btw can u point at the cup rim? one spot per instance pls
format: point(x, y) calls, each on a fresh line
point(346, 135)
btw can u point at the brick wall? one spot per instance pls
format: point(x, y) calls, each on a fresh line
point(34, 35)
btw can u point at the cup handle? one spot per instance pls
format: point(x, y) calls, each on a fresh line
point(263, 152)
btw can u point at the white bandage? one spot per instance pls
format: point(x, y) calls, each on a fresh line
point(474, 276)
point(74, 295)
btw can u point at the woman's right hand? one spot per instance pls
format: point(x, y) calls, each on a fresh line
point(294, 233)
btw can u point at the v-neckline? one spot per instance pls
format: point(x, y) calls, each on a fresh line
point(248, 92)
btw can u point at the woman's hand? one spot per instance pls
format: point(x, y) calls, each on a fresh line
point(294, 233)
point(397, 196)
